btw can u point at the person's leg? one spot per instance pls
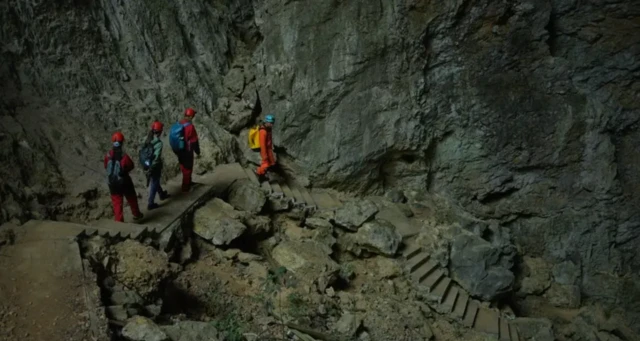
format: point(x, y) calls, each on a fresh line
point(154, 186)
point(132, 199)
point(186, 166)
point(116, 201)
point(261, 171)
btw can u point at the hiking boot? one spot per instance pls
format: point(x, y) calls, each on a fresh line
point(261, 178)
point(152, 206)
point(164, 195)
point(138, 218)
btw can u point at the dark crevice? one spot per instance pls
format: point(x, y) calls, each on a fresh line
point(552, 40)
point(497, 196)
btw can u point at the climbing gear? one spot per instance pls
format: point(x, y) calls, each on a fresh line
point(114, 172)
point(157, 126)
point(270, 119)
point(176, 136)
point(147, 154)
point(189, 112)
point(254, 138)
point(117, 139)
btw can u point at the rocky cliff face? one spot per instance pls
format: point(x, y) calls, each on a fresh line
point(523, 112)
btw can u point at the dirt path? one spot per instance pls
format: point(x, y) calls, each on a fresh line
point(42, 295)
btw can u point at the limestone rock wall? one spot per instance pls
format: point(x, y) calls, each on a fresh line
point(525, 112)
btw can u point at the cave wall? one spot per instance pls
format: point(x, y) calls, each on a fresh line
point(73, 72)
point(524, 112)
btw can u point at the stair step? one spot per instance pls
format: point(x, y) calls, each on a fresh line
point(424, 271)
point(417, 262)
point(433, 278)
point(276, 188)
point(487, 321)
point(296, 195)
point(450, 300)
point(514, 332)
point(460, 307)
point(307, 197)
point(440, 290)
point(504, 330)
point(470, 316)
point(411, 251)
point(287, 191)
point(266, 186)
point(324, 200)
point(251, 175)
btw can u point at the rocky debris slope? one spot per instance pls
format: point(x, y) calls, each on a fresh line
point(314, 277)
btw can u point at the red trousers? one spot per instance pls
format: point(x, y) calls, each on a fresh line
point(186, 166)
point(117, 201)
point(264, 166)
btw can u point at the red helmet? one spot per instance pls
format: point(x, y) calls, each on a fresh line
point(117, 137)
point(157, 126)
point(189, 112)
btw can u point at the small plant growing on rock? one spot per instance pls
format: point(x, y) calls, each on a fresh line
point(231, 327)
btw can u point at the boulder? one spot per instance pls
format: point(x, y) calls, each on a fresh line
point(306, 259)
point(479, 267)
point(140, 267)
point(279, 204)
point(218, 222)
point(140, 328)
point(566, 273)
point(396, 196)
point(191, 331)
point(355, 213)
point(246, 195)
point(378, 236)
point(348, 324)
point(393, 214)
point(563, 295)
point(538, 278)
point(258, 224)
point(539, 329)
point(317, 223)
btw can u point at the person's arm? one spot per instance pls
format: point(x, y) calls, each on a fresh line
point(127, 163)
point(106, 161)
point(157, 151)
point(264, 153)
point(195, 144)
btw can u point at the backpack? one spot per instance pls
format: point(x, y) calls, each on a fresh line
point(176, 136)
point(146, 155)
point(114, 173)
point(254, 137)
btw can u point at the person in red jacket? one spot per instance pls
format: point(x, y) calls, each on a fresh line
point(118, 165)
point(266, 147)
point(185, 158)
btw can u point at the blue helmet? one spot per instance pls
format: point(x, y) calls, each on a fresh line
point(270, 119)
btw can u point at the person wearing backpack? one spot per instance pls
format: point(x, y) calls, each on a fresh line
point(151, 158)
point(118, 165)
point(183, 139)
point(266, 147)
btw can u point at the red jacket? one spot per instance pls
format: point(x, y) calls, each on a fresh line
point(266, 146)
point(191, 137)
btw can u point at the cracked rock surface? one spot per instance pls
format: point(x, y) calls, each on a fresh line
point(522, 112)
